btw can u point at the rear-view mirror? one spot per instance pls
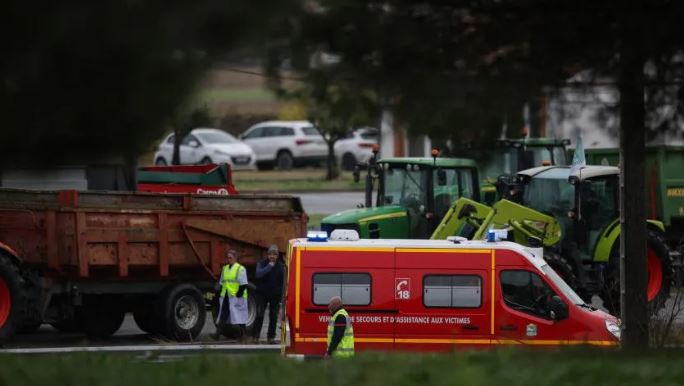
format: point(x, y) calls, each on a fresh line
point(558, 308)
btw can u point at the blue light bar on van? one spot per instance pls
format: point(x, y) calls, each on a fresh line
point(317, 236)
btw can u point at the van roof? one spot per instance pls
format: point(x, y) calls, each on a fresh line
point(533, 255)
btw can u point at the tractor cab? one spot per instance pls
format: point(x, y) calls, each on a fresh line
point(412, 196)
point(585, 203)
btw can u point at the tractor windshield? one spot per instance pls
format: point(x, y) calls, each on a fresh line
point(405, 186)
point(550, 192)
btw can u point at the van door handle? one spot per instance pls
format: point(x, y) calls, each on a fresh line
point(470, 327)
point(509, 327)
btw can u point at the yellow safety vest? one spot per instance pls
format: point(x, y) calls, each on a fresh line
point(346, 347)
point(229, 280)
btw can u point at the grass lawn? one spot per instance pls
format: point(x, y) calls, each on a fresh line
point(218, 95)
point(504, 367)
point(298, 180)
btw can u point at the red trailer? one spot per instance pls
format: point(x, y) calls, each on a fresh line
point(80, 260)
point(198, 179)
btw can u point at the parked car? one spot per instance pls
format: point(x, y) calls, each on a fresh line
point(285, 144)
point(356, 147)
point(205, 146)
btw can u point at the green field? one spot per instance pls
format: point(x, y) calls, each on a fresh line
point(298, 180)
point(509, 368)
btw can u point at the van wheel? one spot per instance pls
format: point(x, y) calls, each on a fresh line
point(102, 316)
point(206, 161)
point(12, 297)
point(284, 160)
point(183, 313)
point(660, 274)
point(348, 161)
point(160, 162)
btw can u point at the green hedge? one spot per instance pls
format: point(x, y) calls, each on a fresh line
point(507, 368)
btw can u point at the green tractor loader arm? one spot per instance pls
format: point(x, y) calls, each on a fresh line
point(463, 218)
point(470, 219)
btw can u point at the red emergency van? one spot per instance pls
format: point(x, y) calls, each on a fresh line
point(434, 295)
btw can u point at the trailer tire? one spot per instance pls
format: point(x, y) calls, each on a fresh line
point(68, 325)
point(146, 316)
point(29, 327)
point(12, 297)
point(660, 274)
point(102, 316)
point(184, 312)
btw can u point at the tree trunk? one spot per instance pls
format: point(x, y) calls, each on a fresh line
point(176, 147)
point(633, 275)
point(332, 172)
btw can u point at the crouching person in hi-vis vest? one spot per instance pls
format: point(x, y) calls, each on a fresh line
point(233, 297)
point(340, 331)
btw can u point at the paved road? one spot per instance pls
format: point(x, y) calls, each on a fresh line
point(128, 334)
point(330, 202)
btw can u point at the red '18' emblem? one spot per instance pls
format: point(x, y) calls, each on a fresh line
point(402, 288)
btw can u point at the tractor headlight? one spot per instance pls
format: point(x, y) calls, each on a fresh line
point(613, 328)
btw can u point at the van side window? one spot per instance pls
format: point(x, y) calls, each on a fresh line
point(353, 288)
point(525, 291)
point(453, 291)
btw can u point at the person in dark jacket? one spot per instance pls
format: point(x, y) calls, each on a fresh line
point(270, 273)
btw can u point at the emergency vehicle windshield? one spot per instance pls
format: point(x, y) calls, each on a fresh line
point(562, 285)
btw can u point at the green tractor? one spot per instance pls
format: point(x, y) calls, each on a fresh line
point(586, 205)
point(513, 155)
point(412, 197)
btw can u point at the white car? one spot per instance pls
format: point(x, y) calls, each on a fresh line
point(285, 144)
point(204, 146)
point(356, 147)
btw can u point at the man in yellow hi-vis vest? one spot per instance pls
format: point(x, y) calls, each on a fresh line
point(340, 331)
point(233, 297)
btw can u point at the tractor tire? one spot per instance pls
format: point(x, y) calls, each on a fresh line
point(660, 275)
point(12, 298)
point(183, 312)
point(102, 316)
point(564, 269)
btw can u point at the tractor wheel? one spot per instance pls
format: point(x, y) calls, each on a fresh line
point(564, 269)
point(12, 298)
point(660, 275)
point(102, 316)
point(183, 312)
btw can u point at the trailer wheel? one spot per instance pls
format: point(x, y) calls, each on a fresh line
point(102, 316)
point(184, 312)
point(12, 297)
point(67, 325)
point(146, 316)
point(660, 274)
